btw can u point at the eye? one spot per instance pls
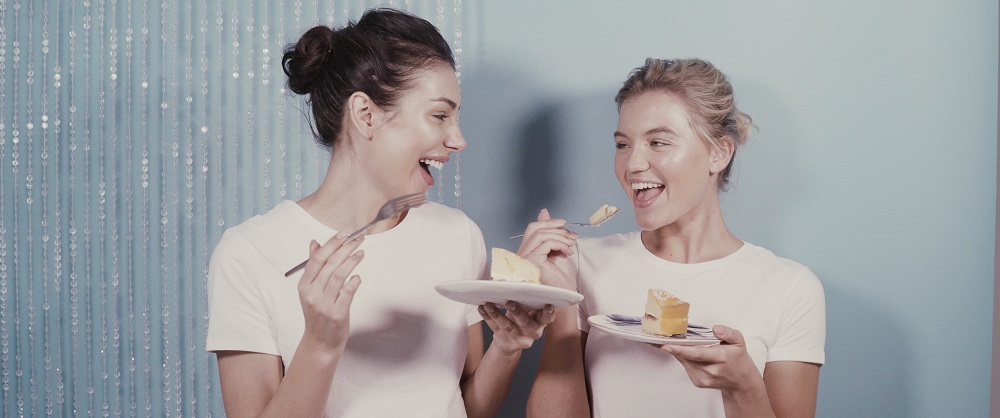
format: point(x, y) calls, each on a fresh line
point(656, 143)
point(441, 117)
point(620, 145)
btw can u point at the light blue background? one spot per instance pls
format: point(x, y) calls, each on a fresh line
point(874, 164)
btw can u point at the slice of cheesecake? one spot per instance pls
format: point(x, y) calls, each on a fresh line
point(665, 314)
point(603, 214)
point(509, 267)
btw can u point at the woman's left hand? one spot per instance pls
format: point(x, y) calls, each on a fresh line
point(727, 366)
point(518, 328)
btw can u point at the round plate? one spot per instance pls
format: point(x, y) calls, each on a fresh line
point(530, 295)
point(633, 331)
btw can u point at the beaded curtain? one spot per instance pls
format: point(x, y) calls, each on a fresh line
point(131, 135)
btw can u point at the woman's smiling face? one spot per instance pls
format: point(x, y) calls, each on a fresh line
point(664, 167)
point(420, 133)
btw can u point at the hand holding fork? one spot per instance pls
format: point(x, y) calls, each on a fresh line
point(389, 209)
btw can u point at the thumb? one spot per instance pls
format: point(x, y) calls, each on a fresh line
point(544, 215)
point(728, 335)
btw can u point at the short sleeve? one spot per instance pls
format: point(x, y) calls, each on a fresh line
point(238, 315)
point(802, 331)
point(477, 251)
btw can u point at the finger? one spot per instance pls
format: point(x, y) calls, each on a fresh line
point(520, 316)
point(485, 312)
point(486, 318)
point(308, 274)
point(318, 257)
point(333, 261)
point(546, 249)
point(544, 215)
point(342, 272)
point(564, 236)
point(546, 315)
point(342, 305)
point(503, 324)
point(729, 335)
point(693, 354)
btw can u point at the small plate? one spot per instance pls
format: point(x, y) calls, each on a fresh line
point(530, 295)
point(633, 331)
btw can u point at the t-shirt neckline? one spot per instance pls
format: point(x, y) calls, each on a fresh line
point(704, 265)
point(316, 225)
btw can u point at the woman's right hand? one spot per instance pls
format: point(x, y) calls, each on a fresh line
point(327, 288)
point(548, 245)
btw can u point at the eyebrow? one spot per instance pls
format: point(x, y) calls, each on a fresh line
point(447, 101)
point(656, 130)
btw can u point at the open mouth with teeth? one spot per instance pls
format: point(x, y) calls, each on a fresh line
point(644, 193)
point(426, 164)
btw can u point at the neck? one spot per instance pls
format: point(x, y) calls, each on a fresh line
point(695, 238)
point(347, 200)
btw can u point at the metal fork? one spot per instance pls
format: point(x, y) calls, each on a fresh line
point(583, 224)
point(388, 210)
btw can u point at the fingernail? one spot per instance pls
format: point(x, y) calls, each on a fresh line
point(342, 235)
point(489, 308)
point(512, 307)
point(549, 309)
point(482, 311)
point(359, 253)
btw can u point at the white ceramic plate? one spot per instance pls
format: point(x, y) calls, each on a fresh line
point(531, 295)
point(633, 331)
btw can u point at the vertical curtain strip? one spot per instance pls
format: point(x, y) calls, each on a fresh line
point(132, 134)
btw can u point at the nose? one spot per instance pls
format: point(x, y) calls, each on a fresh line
point(636, 160)
point(455, 141)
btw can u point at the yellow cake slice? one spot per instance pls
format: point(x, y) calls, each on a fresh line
point(509, 267)
point(665, 314)
point(603, 214)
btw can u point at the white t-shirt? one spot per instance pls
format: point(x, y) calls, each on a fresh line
point(776, 303)
point(407, 344)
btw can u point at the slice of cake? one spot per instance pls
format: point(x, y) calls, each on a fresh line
point(665, 314)
point(509, 267)
point(603, 214)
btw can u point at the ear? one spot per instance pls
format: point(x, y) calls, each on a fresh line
point(719, 157)
point(363, 114)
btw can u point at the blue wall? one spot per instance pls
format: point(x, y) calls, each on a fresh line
point(875, 162)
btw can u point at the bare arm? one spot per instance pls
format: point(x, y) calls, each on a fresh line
point(560, 388)
point(787, 389)
point(792, 387)
point(486, 377)
point(254, 385)
point(485, 386)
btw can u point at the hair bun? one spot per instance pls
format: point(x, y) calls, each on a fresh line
point(303, 62)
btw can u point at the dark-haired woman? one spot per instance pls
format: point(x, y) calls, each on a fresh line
point(385, 101)
point(678, 130)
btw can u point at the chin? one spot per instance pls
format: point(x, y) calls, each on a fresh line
point(651, 223)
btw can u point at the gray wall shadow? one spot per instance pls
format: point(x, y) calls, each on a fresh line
point(868, 366)
point(532, 152)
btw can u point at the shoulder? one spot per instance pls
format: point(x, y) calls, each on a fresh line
point(789, 272)
point(261, 228)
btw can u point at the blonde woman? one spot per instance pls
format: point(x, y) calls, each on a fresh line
point(678, 132)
